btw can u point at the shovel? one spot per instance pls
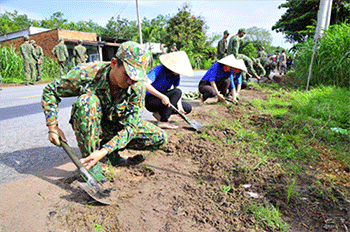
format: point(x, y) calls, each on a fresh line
point(92, 187)
point(195, 125)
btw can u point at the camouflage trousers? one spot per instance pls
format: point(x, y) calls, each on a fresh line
point(90, 127)
point(39, 68)
point(63, 67)
point(29, 71)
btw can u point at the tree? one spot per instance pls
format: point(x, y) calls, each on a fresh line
point(55, 21)
point(258, 36)
point(300, 15)
point(13, 22)
point(120, 28)
point(154, 30)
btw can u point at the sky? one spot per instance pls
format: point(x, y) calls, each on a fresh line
point(219, 15)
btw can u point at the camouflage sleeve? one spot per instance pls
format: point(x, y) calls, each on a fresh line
point(229, 48)
point(235, 47)
point(221, 48)
point(263, 71)
point(66, 52)
point(73, 84)
point(53, 51)
point(130, 119)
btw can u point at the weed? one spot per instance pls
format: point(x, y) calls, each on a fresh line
point(291, 191)
point(226, 188)
point(98, 227)
point(109, 172)
point(268, 217)
point(199, 180)
point(262, 161)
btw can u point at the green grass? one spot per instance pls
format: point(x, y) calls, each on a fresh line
point(268, 217)
point(331, 62)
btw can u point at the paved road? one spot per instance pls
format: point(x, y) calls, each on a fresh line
point(24, 147)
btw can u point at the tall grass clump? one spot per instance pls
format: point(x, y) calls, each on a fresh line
point(331, 61)
point(11, 64)
point(12, 70)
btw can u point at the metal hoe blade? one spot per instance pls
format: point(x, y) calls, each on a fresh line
point(102, 196)
point(91, 186)
point(195, 125)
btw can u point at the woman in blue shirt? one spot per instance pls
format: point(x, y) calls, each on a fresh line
point(221, 77)
point(162, 87)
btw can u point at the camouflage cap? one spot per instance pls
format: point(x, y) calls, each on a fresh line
point(135, 58)
point(32, 42)
point(226, 32)
point(241, 30)
point(26, 38)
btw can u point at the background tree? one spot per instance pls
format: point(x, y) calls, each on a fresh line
point(258, 36)
point(154, 30)
point(301, 14)
point(55, 21)
point(118, 27)
point(13, 22)
point(188, 32)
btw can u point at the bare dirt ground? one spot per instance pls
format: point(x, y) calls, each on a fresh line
point(181, 188)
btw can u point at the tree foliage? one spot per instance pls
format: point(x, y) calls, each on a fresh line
point(300, 15)
point(10, 22)
point(258, 36)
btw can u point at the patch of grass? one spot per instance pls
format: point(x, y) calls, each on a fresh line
point(109, 172)
point(226, 188)
point(268, 217)
point(291, 191)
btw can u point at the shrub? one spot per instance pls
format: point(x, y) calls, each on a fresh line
point(331, 62)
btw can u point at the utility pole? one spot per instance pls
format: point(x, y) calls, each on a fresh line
point(323, 20)
point(138, 19)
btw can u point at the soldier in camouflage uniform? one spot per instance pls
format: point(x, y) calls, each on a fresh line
point(39, 59)
point(262, 52)
point(234, 43)
point(222, 46)
point(267, 64)
point(259, 69)
point(106, 115)
point(60, 51)
point(79, 53)
point(28, 54)
point(249, 64)
point(173, 48)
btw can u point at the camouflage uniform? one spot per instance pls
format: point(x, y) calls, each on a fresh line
point(260, 70)
point(60, 51)
point(262, 53)
point(95, 115)
point(249, 63)
point(39, 59)
point(79, 54)
point(266, 63)
point(28, 54)
point(233, 45)
point(222, 47)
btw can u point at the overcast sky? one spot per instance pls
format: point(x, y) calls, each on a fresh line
point(218, 15)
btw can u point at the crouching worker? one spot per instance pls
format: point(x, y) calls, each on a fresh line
point(106, 115)
point(162, 87)
point(220, 78)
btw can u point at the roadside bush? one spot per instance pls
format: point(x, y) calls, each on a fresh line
point(331, 62)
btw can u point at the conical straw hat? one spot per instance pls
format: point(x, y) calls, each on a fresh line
point(177, 62)
point(233, 62)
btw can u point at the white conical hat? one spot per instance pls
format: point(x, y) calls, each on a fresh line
point(177, 62)
point(233, 62)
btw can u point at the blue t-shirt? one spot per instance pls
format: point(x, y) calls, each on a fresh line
point(161, 78)
point(216, 72)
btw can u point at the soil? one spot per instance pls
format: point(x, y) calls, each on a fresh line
point(184, 187)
